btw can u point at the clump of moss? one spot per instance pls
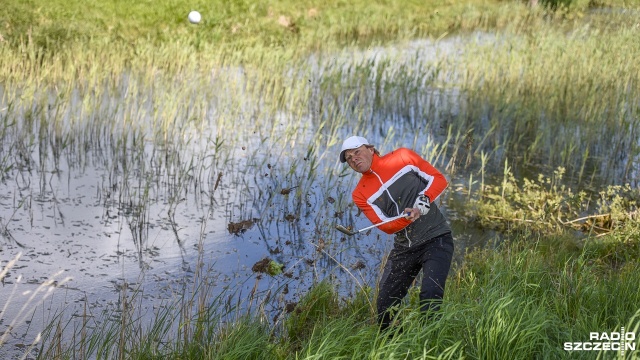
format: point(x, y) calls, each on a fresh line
point(268, 266)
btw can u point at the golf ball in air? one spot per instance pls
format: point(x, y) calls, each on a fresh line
point(194, 17)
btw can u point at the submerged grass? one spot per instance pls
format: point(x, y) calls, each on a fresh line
point(559, 99)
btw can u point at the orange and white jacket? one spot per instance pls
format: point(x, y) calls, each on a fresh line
point(392, 184)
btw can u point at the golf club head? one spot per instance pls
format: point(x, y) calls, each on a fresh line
point(344, 230)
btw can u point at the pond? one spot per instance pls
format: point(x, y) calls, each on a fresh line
point(129, 186)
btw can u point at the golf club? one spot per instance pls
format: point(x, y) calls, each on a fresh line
point(350, 232)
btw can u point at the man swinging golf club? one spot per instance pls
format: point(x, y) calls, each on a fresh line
point(393, 184)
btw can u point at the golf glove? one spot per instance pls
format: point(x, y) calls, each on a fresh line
point(422, 203)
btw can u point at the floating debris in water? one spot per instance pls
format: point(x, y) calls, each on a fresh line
point(277, 250)
point(218, 181)
point(239, 227)
point(359, 265)
point(290, 306)
point(287, 191)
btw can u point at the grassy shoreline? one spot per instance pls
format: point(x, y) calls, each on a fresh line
point(43, 30)
point(234, 24)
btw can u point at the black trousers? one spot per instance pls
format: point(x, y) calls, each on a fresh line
point(403, 266)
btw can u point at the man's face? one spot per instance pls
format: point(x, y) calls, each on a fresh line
point(359, 158)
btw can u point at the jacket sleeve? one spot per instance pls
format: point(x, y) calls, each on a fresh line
point(370, 213)
point(438, 182)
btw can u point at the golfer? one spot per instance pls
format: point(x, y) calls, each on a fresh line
point(396, 183)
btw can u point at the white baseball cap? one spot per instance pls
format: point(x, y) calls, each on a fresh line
point(353, 142)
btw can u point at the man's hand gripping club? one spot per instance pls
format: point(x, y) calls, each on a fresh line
point(421, 206)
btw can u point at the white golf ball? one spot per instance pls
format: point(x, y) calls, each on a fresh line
point(194, 17)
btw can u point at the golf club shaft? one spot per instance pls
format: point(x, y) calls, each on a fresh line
point(403, 215)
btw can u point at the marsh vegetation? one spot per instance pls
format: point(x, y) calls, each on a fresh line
point(186, 177)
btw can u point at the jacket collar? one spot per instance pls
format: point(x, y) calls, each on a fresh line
point(374, 165)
